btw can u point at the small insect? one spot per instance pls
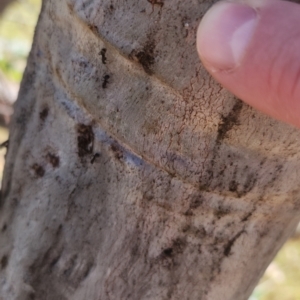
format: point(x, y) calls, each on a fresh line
point(105, 81)
point(103, 55)
point(96, 155)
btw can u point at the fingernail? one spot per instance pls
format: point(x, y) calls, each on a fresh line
point(224, 35)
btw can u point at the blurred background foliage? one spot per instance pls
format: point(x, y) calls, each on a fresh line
point(17, 22)
point(281, 280)
point(17, 25)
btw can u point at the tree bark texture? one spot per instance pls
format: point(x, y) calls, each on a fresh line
point(130, 173)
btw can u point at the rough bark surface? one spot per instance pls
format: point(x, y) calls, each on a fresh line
point(130, 173)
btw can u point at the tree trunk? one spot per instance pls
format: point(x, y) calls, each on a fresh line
point(3, 4)
point(130, 173)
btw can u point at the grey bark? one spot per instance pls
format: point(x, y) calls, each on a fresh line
point(130, 173)
point(3, 4)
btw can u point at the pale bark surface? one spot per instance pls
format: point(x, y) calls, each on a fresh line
point(152, 183)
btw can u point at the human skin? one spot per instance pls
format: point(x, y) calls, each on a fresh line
point(255, 53)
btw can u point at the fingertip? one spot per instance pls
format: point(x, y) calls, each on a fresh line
point(251, 48)
point(224, 34)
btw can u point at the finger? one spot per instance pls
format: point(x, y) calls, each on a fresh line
point(252, 47)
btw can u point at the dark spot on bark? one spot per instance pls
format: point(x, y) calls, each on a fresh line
point(229, 121)
point(31, 296)
point(198, 232)
point(103, 55)
point(168, 252)
point(222, 172)
point(242, 189)
point(44, 114)
point(4, 228)
point(196, 202)
point(87, 270)
point(189, 213)
point(171, 256)
point(177, 247)
point(205, 187)
point(53, 160)
point(249, 184)
point(53, 262)
point(93, 27)
point(186, 228)
point(4, 262)
point(95, 156)
point(262, 162)
point(111, 7)
point(117, 151)
point(221, 212)
point(38, 170)
point(247, 216)
point(230, 243)
point(233, 186)
point(70, 7)
point(226, 124)
point(85, 140)
point(105, 81)
point(146, 57)
point(275, 175)
point(59, 229)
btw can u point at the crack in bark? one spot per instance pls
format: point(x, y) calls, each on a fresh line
point(140, 66)
point(230, 244)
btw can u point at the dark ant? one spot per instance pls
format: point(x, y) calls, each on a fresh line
point(102, 53)
point(96, 155)
point(105, 81)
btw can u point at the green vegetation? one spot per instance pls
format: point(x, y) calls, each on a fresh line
point(281, 279)
point(16, 32)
